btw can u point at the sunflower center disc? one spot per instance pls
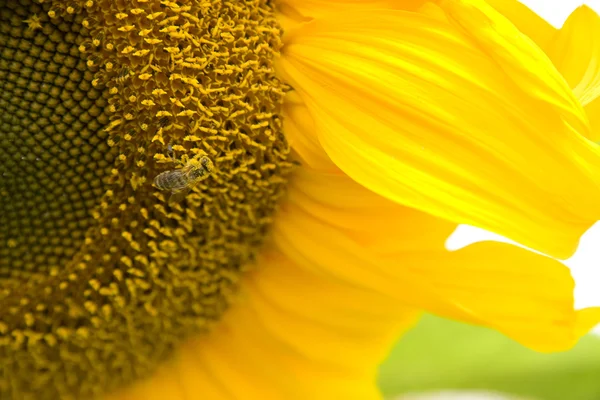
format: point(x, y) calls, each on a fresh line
point(101, 273)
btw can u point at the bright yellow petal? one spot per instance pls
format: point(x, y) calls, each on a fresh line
point(304, 10)
point(593, 111)
point(576, 53)
point(297, 121)
point(294, 334)
point(576, 48)
point(527, 296)
point(410, 106)
point(587, 319)
point(527, 21)
point(518, 56)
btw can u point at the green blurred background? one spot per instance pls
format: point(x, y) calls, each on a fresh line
point(442, 354)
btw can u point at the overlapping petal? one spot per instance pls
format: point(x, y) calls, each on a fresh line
point(294, 334)
point(518, 57)
point(305, 10)
point(451, 111)
point(401, 254)
point(575, 51)
point(296, 125)
point(527, 21)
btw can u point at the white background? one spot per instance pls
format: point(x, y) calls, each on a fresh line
point(585, 264)
point(556, 11)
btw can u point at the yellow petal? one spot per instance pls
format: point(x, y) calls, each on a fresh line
point(527, 21)
point(413, 108)
point(527, 296)
point(525, 63)
point(587, 319)
point(576, 48)
point(593, 111)
point(377, 223)
point(576, 53)
point(298, 126)
point(294, 334)
point(304, 10)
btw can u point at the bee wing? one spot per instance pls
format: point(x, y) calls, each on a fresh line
point(177, 196)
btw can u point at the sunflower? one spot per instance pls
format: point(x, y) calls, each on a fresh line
point(314, 155)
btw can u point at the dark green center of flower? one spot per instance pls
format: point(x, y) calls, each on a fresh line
point(101, 274)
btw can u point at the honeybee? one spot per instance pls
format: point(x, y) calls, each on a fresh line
point(180, 181)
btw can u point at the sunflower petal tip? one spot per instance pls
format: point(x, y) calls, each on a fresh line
point(584, 10)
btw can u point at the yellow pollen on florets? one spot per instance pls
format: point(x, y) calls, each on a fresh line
point(101, 274)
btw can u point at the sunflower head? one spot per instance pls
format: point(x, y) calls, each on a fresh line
point(144, 159)
point(100, 275)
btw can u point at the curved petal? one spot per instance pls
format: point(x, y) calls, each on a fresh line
point(400, 254)
point(518, 57)
point(527, 21)
point(576, 50)
point(294, 334)
point(478, 129)
point(297, 123)
point(593, 111)
point(576, 54)
point(305, 10)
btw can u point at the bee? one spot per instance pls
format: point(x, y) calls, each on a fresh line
point(122, 76)
point(180, 181)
